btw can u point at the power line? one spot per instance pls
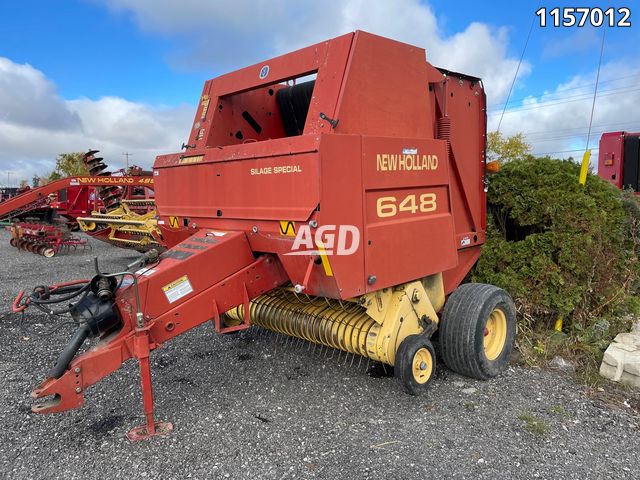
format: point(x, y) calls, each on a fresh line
point(595, 91)
point(498, 106)
point(577, 98)
point(517, 70)
point(568, 136)
point(539, 154)
point(631, 124)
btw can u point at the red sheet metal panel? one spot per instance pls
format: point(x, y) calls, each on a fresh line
point(611, 157)
point(225, 99)
point(272, 188)
point(181, 276)
point(407, 208)
point(385, 90)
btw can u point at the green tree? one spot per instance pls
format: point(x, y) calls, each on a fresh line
point(68, 165)
point(35, 181)
point(506, 149)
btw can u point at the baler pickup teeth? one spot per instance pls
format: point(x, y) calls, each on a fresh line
point(108, 220)
point(137, 202)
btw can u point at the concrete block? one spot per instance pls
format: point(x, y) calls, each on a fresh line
point(621, 361)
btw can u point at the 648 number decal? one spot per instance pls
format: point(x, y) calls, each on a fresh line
point(392, 206)
point(581, 16)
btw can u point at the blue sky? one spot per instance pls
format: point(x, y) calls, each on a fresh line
point(140, 64)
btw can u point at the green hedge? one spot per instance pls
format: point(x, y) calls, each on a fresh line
point(562, 250)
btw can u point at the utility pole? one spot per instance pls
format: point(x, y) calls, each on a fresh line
point(126, 158)
point(8, 178)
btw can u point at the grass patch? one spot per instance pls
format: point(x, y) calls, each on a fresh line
point(533, 424)
point(559, 410)
point(469, 405)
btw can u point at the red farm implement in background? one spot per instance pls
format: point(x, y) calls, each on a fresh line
point(334, 194)
point(59, 205)
point(619, 159)
point(43, 239)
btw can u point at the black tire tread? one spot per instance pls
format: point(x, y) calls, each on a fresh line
point(404, 362)
point(463, 310)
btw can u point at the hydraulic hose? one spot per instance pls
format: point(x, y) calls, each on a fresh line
point(76, 341)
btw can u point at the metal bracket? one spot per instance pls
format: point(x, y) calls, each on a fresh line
point(332, 122)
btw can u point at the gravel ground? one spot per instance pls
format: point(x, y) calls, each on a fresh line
point(253, 405)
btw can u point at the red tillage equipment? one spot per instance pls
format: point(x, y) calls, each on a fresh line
point(335, 194)
point(43, 239)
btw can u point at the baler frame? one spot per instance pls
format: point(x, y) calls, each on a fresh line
point(355, 160)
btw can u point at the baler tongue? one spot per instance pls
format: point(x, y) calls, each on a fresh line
point(184, 295)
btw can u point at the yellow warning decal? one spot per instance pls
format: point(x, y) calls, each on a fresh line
point(177, 289)
point(191, 159)
point(288, 228)
point(325, 259)
point(205, 107)
point(174, 222)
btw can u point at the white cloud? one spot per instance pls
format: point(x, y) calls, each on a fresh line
point(228, 34)
point(36, 124)
point(558, 121)
point(28, 98)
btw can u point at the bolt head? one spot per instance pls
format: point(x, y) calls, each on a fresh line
point(313, 224)
point(78, 389)
point(77, 369)
point(254, 229)
point(372, 279)
point(423, 366)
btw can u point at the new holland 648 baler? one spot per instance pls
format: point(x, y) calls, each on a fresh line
point(335, 194)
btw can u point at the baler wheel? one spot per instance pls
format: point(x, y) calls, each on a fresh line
point(415, 363)
point(87, 226)
point(477, 330)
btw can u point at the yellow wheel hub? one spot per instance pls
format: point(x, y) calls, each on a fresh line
point(87, 227)
point(495, 334)
point(422, 366)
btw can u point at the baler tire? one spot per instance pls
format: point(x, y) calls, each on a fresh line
point(477, 330)
point(415, 363)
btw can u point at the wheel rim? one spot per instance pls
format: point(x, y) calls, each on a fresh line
point(49, 252)
point(87, 226)
point(422, 366)
point(495, 334)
